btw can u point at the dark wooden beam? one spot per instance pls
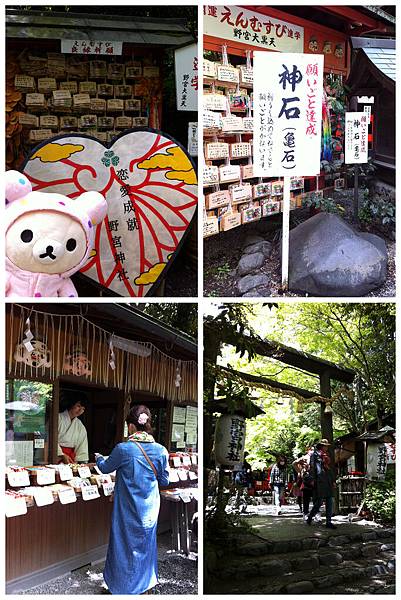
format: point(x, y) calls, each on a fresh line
point(284, 387)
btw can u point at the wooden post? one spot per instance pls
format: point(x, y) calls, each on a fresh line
point(356, 193)
point(326, 421)
point(286, 234)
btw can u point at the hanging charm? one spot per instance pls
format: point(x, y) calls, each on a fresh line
point(28, 336)
point(112, 358)
point(178, 378)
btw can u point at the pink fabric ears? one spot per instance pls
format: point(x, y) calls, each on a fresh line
point(94, 205)
point(17, 185)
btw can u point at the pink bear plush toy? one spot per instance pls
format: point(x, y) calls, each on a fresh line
point(48, 238)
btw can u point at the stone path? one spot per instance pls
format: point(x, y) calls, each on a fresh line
point(286, 556)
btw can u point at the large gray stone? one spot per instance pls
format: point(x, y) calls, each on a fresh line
point(264, 247)
point(251, 281)
point(330, 558)
point(252, 239)
point(250, 262)
point(329, 258)
point(300, 587)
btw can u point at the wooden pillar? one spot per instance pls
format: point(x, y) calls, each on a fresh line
point(326, 423)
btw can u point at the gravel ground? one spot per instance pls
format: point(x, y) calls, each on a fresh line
point(177, 575)
point(222, 253)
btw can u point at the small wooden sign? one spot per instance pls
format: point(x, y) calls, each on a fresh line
point(133, 71)
point(231, 123)
point(240, 150)
point(123, 91)
point(217, 150)
point(15, 506)
point(123, 122)
point(67, 495)
point(240, 192)
point(28, 120)
point(246, 75)
point(39, 135)
point(24, 83)
point(115, 105)
point(229, 173)
point(105, 89)
point(18, 478)
point(230, 220)
point(88, 87)
point(35, 100)
point(132, 104)
point(227, 74)
point(210, 175)
point(47, 84)
point(247, 171)
point(90, 492)
point(43, 496)
point(211, 121)
point(151, 72)
point(217, 199)
point(251, 213)
point(50, 121)
point(84, 472)
point(65, 472)
point(45, 476)
point(71, 86)
point(209, 69)
point(247, 124)
point(210, 226)
point(214, 102)
point(259, 190)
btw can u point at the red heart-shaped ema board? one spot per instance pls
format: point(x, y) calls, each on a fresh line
point(150, 185)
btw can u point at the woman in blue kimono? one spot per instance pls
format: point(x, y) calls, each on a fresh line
point(141, 465)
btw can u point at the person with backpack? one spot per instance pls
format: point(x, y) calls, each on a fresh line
point(323, 482)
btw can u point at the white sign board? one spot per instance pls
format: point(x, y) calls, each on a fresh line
point(96, 47)
point(356, 138)
point(193, 139)
point(186, 77)
point(239, 24)
point(287, 114)
point(376, 466)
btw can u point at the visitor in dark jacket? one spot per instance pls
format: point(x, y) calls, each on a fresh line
point(323, 482)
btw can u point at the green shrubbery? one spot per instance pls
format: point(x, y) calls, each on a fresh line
point(380, 499)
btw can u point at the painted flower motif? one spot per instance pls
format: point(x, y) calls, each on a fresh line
point(109, 158)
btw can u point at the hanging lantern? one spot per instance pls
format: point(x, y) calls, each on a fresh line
point(229, 440)
point(328, 409)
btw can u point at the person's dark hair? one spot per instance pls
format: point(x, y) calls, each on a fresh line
point(279, 458)
point(134, 418)
point(70, 397)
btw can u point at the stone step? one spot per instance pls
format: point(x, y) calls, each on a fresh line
point(321, 578)
point(313, 540)
point(306, 560)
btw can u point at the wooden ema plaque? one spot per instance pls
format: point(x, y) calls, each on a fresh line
point(217, 199)
point(230, 220)
point(210, 226)
point(229, 173)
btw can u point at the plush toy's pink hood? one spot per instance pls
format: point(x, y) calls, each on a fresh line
point(88, 209)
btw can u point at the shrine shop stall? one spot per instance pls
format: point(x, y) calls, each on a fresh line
point(233, 195)
point(109, 357)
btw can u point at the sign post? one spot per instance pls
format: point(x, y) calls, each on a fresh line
point(288, 92)
point(356, 147)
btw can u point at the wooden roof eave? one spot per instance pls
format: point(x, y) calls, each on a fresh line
point(362, 66)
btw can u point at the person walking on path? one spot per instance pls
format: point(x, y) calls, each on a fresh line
point(302, 468)
point(141, 465)
point(279, 478)
point(323, 482)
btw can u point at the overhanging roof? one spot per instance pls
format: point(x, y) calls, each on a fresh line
point(129, 322)
point(134, 30)
point(374, 64)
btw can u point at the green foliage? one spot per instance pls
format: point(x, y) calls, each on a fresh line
point(380, 498)
point(377, 210)
point(315, 200)
point(182, 316)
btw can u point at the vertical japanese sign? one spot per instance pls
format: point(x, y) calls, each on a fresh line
point(376, 466)
point(186, 77)
point(287, 114)
point(356, 137)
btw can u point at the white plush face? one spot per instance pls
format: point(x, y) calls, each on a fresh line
point(46, 242)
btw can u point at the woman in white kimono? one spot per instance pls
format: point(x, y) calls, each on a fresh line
point(72, 435)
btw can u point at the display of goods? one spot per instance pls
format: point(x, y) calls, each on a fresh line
point(214, 102)
point(27, 120)
point(71, 86)
point(133, 71)
point(229, 173)
point(210, 175)
point(123, 122)
point(88, 87)
point(217, 199)
point(230, 220)
point(97, 68)
point(88, 121)
point(246, 76)
point(62, 98)
point(24, 83)
point(227, 74)
point(241, 192)
point(35, 101)
point(115, 105)
point(140, 121)
point(98, 105)
point(81, 100)
point(105, 89)
point(211, 121)
point(247, 171)
point(123, 90)
point(209, 69)
point(68, 122)
point(50, 121)
point(132, 105)
point(46, 84)
point(216, 150)
point(231, 123)
point(247, 124)
point(261, 189)
point(210, 226)
point(240, 150)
